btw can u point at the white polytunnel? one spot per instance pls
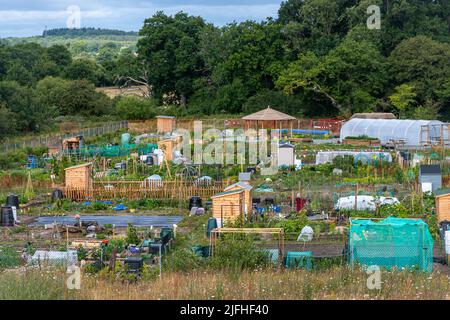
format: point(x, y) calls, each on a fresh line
point(409, 131)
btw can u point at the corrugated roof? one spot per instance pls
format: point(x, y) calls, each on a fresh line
point(226, 193)
point(268, 114)
point(430, 169)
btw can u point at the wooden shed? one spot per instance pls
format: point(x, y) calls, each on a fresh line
point(73, 143)
point(166, 124)
point(79, 177)
point(248, 197)
point(228, 206)
point(168, 146)
point(443, 204)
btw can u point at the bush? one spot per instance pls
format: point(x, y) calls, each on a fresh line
point(136, 108)
point(183, 260)
point(9, 258)
point(237, 253)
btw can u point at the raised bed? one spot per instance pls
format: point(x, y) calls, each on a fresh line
point(362, 142)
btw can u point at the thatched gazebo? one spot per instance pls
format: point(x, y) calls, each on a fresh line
point(269, 119)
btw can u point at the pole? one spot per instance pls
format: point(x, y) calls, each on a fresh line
point(160, 261)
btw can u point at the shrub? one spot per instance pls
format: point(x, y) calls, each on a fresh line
point(182, 260)
point(238, 253)
point(9, 258)
point(136, 108)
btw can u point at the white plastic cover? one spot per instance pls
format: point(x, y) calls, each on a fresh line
point(364, 202)
point(328, 156)
point(390, 129)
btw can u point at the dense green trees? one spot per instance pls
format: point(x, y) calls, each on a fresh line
point(320, 53)
point(317, 58)
point(169, 48)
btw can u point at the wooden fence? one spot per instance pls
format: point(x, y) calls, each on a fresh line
point(133, 190)
point(446, 181)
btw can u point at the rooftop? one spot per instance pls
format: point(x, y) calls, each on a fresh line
point(226, 193)
point(430, 169)
point(268, 114)
point(241, 184)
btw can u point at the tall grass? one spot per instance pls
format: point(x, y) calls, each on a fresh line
point(32, 285)
point(337, 283)
point(334, 283)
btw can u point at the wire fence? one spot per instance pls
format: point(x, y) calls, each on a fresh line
point(45, 141)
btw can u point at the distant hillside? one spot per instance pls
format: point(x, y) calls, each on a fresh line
point(82, 42)
point(87, 32)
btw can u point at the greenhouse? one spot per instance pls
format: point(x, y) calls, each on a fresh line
point(412, 132)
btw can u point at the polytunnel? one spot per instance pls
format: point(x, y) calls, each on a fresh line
point(389, 129)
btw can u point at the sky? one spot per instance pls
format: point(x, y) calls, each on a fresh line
point(20, 18)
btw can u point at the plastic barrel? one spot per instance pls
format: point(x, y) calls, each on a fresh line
point(7, 216)
point(12, 201)
point(212, 224)
point(57, 194)
point(195, 202)
point(149, 160)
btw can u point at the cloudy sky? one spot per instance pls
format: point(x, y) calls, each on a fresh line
point(29, 17)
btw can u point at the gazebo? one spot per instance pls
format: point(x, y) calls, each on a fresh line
point(269, 119)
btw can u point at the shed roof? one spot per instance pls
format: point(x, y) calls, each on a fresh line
point(241, 184)
point(227, 193)
point(442, 192)
point(79, 166)
point(286, 145)
point(268, 114)
point(165, 117)
point(430, 169)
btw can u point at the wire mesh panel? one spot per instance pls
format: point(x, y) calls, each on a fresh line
point(391, 243)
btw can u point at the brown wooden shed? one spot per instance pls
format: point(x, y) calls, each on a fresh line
point(443, 204)
point(269, 119)
point(73, 143)
point(228, 206)
point(248, 196)
point(166, 124)
point(168, 146)
point(79, 177)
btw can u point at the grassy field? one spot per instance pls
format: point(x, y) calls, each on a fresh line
point(336, 283)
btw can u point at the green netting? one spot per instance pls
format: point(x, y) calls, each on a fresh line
point(111, 151)
point(299, 260)
point(392, 242)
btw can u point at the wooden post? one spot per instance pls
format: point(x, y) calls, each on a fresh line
point(293, 200)
point(356, 197)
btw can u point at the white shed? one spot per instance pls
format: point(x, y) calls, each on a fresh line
point(286, 154)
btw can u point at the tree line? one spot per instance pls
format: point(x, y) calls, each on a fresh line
point(317, 58)
point(86, 32)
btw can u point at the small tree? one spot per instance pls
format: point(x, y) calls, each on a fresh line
point(132, 236)
point(403, 98)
